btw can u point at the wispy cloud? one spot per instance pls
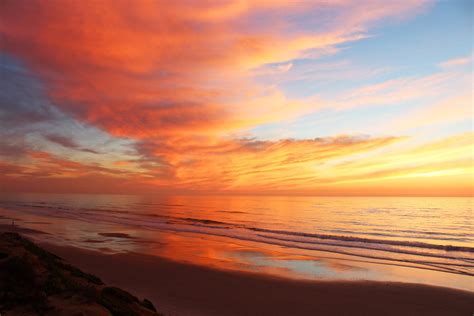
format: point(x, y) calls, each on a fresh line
point(68, 143)
point(456, 62)
point(454, 109)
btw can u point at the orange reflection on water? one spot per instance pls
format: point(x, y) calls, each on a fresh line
point(88, 223)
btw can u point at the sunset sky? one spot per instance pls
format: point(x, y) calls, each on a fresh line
point(237, 97)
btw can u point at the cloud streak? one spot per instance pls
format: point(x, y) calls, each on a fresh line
point(68, 143)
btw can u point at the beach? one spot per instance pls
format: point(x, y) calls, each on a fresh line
point(244, 260)
point(310, 238)
point(177, 288)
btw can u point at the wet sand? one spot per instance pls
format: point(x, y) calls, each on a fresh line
point(185, 289)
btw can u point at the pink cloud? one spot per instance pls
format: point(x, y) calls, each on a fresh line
point(146, 68)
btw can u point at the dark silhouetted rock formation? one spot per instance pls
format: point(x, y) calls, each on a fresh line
point(36, 282)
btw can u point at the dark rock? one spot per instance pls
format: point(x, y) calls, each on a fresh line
point(146, 303)
point(34, 281)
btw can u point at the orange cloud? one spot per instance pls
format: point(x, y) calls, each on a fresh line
point(149, 68)
point(326, 166)
point(219, 166)
point(178, 79)
point(251, 164)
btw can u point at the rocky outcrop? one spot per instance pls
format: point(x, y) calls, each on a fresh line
point(36, 282)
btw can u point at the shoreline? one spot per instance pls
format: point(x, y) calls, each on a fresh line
point(223, 252)
point(178, 288)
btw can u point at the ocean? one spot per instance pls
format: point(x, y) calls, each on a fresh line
point(407, 239)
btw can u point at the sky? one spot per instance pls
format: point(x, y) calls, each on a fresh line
point(237, 97)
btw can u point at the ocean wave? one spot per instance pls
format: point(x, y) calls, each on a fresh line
point(368, 240)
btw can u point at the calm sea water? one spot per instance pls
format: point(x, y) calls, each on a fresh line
point(428, 240)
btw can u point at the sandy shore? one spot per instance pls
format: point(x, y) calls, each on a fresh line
point(186, 289)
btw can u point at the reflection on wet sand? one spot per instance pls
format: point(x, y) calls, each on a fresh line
point(264, 235)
